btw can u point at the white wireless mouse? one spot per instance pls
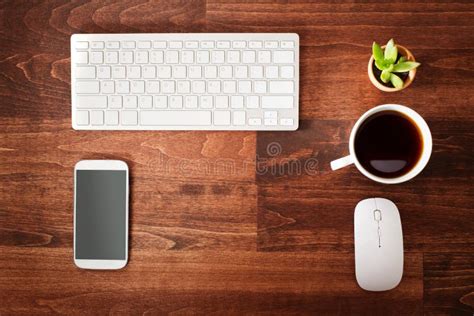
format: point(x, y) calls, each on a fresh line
point(378, 242)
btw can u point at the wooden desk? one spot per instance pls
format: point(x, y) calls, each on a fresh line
point(210, 231)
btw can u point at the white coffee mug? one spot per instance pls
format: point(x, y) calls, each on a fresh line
point(422, 161)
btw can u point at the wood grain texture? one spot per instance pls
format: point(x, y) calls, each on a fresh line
point(238, 223)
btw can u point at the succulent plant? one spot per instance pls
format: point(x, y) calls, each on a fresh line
point(386, 61)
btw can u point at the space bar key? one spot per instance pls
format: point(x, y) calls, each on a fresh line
point(175, 118)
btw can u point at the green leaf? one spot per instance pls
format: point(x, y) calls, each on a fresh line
point(385, 76)
point(396, 81)
point(391, 51)
point(401, 60)
point(405, 66)
point(389, 66)
point(380, 64)
point(377, 51)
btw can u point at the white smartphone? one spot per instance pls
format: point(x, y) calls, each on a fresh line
point(101, 214)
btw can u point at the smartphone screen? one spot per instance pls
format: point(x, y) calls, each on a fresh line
point(101, 215)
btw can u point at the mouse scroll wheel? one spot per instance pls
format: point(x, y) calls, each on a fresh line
point(377, 215)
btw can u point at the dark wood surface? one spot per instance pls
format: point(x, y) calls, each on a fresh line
point(222, 222)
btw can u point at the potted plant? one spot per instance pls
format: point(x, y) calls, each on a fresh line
point(392, 67)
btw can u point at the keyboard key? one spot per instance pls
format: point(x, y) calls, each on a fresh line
point(214, 87)
point(225, 72)
point(159, 44)
point(255, 44)
point(128, 45)
point(282, 87)
point(152, 86)
point(138, 86)
point(172, 57)
point(271, 44)
point(112, 45)
point(270, 122)
point(210, 72)
point(239, 44)
point(202, 57)
point(191, 44)
point(149, 72)
point(195, 72)
point(222, 118)
point(85, 72)
point(277, 102)
point(206, 102)
point(97, 45)
point(253, 102)
point(287, 72)
point(160, 101)
point(264, 57)
point(287, 44)
point(260, 87)
point(222, 102)
point(245, 87)
point(134, 72)
point(270, 114)
point(126, 57)
point(191, 102)
point(283, 57)
point(164, 72)
point(141, 57)
point(238, 118)
point(223, 44)
point(123, 86)
point(81, 45)
point(176, 102)
point(184, 87)
point(168, 86)
point(111, 57)
point(91, 102)
point(175, 118)
point(236, 101)
point(255, 121)
point(199, 86)
point(240, 72)
point(271, 72)
point(82, 117)
point(176, 44)
point(179, 72)
point(112, 118)
point(145, 101)
point(115, 101)
point(256, 72)
point(233, 57)
point(130, 102)
point(286, 121)
point(103, 72)
point(107, 87)
point(156, 57)
point(229, 86)
point(118, 72)
point(130, 117)
point(207, 44)
point(97, 57)
point(144, 45)
point(97, 118)
point(82, 57)
point(187, 57)
point(87, 87)
point(217, 57)
point(249, 57)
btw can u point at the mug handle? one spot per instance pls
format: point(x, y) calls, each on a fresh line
point(341, 162)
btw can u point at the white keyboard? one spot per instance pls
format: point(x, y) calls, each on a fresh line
point(235, 81)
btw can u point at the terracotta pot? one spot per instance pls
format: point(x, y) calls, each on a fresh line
point(411, 74)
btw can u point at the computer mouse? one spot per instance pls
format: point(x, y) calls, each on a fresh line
point(378, 243)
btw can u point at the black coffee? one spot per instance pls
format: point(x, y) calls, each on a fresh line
point(388, 144)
